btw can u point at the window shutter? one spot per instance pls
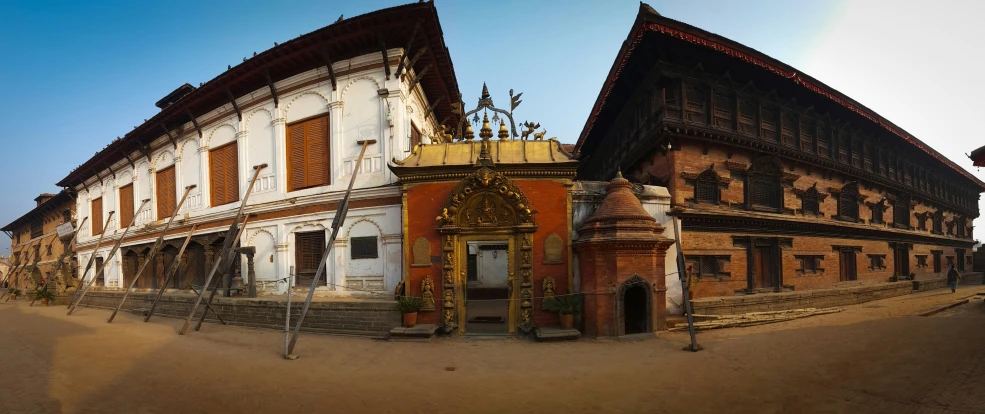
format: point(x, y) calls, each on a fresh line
point(217, 176)
point(165, 193)
point(415, 135)
point(309, 249)
point(126, 204)
point(316, 134)
point(295, 157)
point(97, 216)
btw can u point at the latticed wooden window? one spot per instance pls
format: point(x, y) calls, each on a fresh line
point(697, 101)
point(901, 212)
point(747, 117)
point(857, 153)
point(308, 154)
point(723, 111)
point(308, 250)
point(848, 202)
point(843, 151)
point(936, 221)
point(96, 216)
point(807, 137)
point(961, 228)
point(769, 123)
point(708, 266)
point(877, 213)
point(364, 248)
point(867, 158)
point(809, 203)
point(166, 193)
point(706, 188)
point(789, 127)
point(823, 143)
point(764, 191)
point(126, 204)
point(672, 94)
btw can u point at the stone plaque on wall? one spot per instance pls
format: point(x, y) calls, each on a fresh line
point(553, 245)
point(422, 253)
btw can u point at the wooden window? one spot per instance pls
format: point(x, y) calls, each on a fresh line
point(877, 262)
point(842, 150)
point(937, 260)
point(126, 204)
point(224, 174)
point(823, 144)
point(696, 99)
point(848, 202)
point(96, 216)
point(921, 260)
point(901, 213)
point(807, 137)
point(723, 111)
point(935, 221)
point(876, 210)
point(857, 153)
point(363, 248)
point(809, 203)
point(66, 216)
point(950, 261)
point(706, 188)
point(705, 266)
point(763, 190)
point(308, 154)
point(769, 123)
point(961, 228)
point(867, 158)
point(37, 228)
point(415, 135)
point(809, 263)
point(672, 94)
point(788, 130)
point(747, 117)
point(166, 193)
point(309, 248)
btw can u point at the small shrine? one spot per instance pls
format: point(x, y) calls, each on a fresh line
point(487, 223)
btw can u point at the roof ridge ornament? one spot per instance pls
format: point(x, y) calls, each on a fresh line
point(485, 104)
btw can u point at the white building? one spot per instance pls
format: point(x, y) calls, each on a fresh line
point(300, 108)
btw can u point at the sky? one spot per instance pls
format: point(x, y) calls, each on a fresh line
point(78, 74)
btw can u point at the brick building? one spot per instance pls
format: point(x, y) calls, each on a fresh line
point(781, 182)
point(38, 239)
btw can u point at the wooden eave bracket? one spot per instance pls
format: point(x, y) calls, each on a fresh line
point(170, 137)
point(331, 71)
point(194, 122)
point(403, 55)
point(232, 100)
point(386, 61)
point(413, 61)
point(145, 149)
point(419, 76)
point(273, 90)
point(129, 160)
point(435, 104)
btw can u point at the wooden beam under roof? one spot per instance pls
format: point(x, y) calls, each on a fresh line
point(386, 60)
point(273, 90)
point(194, 122)
point(232, 100)
point(170, 137)
point(403, 55)
point(328, 62)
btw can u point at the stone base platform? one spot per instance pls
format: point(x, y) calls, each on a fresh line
point(418, 333)
point(556, 334)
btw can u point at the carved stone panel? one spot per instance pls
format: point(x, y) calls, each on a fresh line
point(422, 253)
point(553, 246)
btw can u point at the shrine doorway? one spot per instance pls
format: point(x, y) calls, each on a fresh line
point(487, 293)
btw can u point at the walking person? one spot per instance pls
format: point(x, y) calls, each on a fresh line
point(952, 279)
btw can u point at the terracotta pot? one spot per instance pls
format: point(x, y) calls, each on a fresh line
point(44, 301)
point(410, 319)
point(567, 321)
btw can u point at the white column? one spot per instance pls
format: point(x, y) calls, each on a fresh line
point(279, 124)
point(339, 273)
point(151, 192)
point(245, 168)
point(335, 110)
point(203, 156)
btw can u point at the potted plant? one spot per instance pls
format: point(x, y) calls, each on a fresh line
point(45, 295)
point(408, 306)
point(894, 277)
point(566, 306)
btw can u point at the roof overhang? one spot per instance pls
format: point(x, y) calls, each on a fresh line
point(651, 29)
point(345, 39)
point(53, 203)
point(978, 157)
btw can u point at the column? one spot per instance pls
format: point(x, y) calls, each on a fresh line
point(245, 166)
point(335, 110)
point(203, 170)
point(152, 177)
point(279, 124)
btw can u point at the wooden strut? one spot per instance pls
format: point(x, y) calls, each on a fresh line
point(209, 308)
point(61, 260)
point(231, 256)
point(403, 55)
point(109, 257)
point(386, 60)
point(171, 137)
point(194, 122)
point(232, 100)
point(20, 267)
point(331, 71)
point(336, 225)
point(273, 90)
point(170, 273)
point(153, 252)
point(92, 258)
point(226, 249)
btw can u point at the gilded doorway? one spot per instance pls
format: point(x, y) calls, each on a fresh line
point(486, 208)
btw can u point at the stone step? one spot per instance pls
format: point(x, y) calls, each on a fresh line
point(419, 333)
point(556, 334)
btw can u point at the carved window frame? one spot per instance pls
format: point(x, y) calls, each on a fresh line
point(877, 262)
point(765, 172)
point(848, 198)
point(712, 266)
point(810, 264)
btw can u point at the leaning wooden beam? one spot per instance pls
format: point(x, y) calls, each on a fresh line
point(336, 225)
point(328, 63)
point(20, 267)
point(61, 261)
point(232, 100)
point(171, 137)
point(419, 76)
point(37, 256)
point(153, 252)
point(230, 234)
point(413, 60)
point(92, 258)
point(194, 122)
point(170, 273)
point(273, 90)
point(403, 55)
point(229, 264)
point(209, 308)
point(386, 60)
point(109, 257)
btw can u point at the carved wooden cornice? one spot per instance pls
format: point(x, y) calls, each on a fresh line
point(736, 166)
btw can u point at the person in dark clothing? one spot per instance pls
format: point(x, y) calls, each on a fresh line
point(952, 279)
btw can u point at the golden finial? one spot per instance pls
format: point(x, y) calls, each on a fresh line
point(469, 134)
point(486, 131)
point(503, 132)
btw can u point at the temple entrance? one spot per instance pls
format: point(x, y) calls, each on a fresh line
point(487, 293)
point(634, 309)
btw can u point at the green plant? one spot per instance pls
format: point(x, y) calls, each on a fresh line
point(14, 291)
point(409, 304)
point(564, 304)
point(44, 294)
point(913, 276)
point(894, 277)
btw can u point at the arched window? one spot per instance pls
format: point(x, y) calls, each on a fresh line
point(848, 202)
point(706, 187)
point(901, 212)
point(763, 189)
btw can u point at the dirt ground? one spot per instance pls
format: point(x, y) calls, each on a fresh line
point(876, 357)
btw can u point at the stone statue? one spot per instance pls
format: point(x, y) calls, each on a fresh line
point(427, 292)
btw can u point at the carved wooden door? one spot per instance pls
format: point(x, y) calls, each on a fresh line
point(763, 266)
point(847, 267)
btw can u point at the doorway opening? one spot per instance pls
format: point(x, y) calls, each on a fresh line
point(847, 267)
point(765, 267)
point(634, 309)
point(487, 294)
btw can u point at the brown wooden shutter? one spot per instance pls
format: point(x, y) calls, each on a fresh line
point(223, 172)
point(126, 204)
point(308, 154)
point(166, 199)
point(415, 135)
point(96, 215)
point(309, 248)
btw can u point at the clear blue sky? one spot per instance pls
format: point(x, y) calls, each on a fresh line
point(78, 74)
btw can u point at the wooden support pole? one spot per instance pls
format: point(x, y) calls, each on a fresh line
point(170, 137)
point(336, 225)
point(209, 308)
point(23, 265)
point(153, 252)
point(61, 261)
point(92, 258)
point(413, 60)
point(230, 257)
point(419, 76)
point(170, 273)
point(226, 247)
point(129, 161)
point(328, 63)
point(109, 258)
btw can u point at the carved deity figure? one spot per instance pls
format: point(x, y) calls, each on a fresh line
point(427, 292)
point(549, 288)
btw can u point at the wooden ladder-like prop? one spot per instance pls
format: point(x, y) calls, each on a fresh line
point(109, 258)
point(170, 274)
point(225, 254)
point(336, 225)
point(61, 261)
point(153, 252)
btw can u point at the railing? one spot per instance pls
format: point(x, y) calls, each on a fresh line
point(265, 183)
point(371, 165)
